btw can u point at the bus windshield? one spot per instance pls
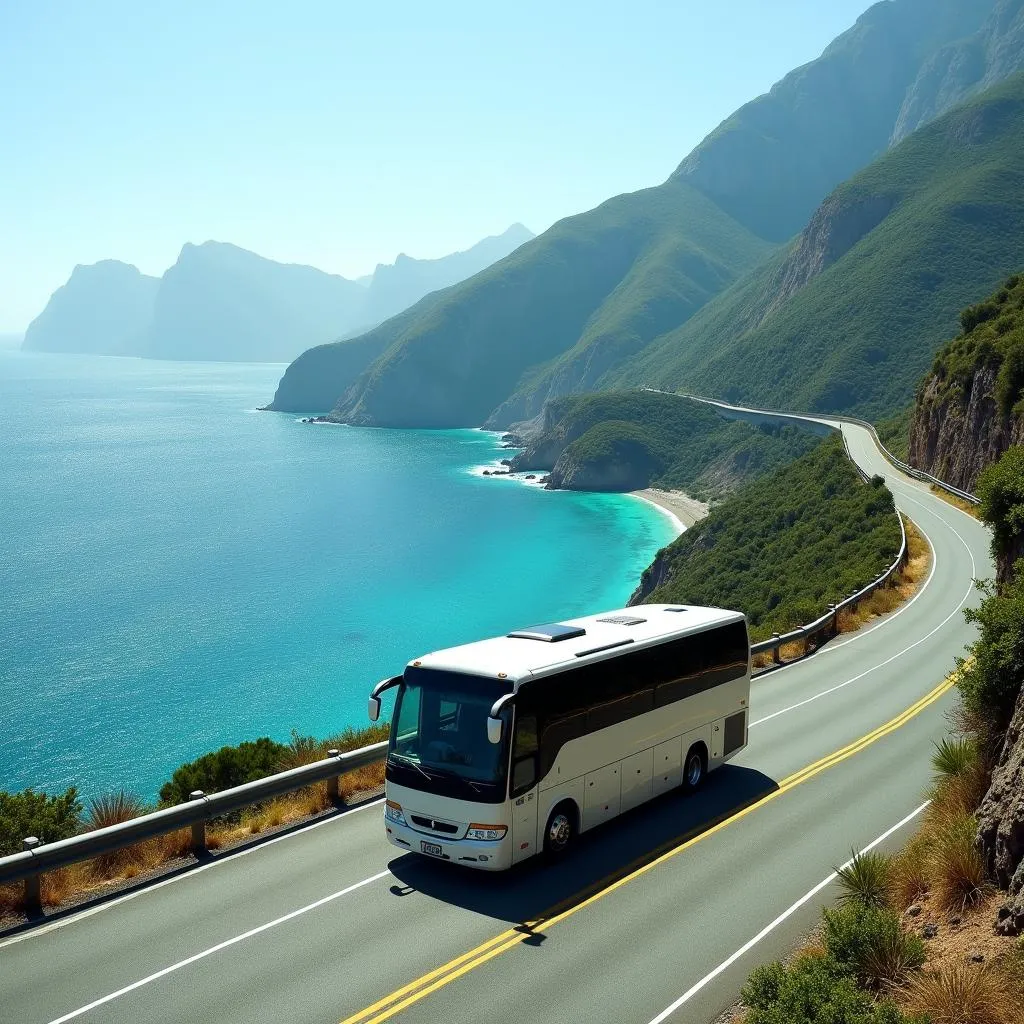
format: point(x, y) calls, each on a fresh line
point(440, 727)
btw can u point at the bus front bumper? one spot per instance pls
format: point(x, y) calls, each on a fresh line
point(470, 853)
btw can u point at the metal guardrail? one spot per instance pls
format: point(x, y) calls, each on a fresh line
point(828, 625)
point(917, 474)
point(38, 857)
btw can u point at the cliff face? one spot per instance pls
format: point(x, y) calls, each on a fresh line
point(969, 65)
point(955, 435)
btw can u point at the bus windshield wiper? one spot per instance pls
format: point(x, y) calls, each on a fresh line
point(415, 764)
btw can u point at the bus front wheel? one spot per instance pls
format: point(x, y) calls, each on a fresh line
point(695, 767)
point(560, 831)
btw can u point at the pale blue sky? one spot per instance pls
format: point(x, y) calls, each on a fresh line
point(339, 135)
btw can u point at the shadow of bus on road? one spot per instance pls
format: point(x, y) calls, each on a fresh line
point(538, 889)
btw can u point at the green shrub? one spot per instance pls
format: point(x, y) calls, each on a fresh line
point(866, 880)
point(955, 758)
point(815, 990)
point(37, 814)
point(224, 768)
point(991, 680)
point(871, 944)
point(1001, 490)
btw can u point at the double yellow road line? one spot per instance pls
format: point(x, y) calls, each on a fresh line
point(422, 987)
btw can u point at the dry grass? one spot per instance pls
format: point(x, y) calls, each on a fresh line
point(951, 499)
point(955, 869)
point(93, 877)
point(965, 993)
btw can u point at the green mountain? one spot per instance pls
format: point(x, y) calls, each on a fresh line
point(783, 547)
point(569, 309)
point(105, 308)
point(846, 318)
point(622, 441)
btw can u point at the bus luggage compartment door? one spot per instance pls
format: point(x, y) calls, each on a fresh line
point(636, 778)
point(601, 795)
point(668, 765)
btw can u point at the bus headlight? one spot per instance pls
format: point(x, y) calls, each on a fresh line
point(393, 812)
point(486, 832)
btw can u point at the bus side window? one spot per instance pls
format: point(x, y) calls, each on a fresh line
point(524, 754)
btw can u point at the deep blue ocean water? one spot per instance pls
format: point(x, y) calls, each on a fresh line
point(179, 571)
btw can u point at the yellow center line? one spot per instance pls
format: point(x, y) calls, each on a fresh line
point(406, 996)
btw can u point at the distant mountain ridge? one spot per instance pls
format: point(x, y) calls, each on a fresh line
point(576, 306)
point(221, 302)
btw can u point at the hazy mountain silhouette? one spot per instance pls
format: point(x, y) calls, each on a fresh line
point(105, 308)
point(221, 302)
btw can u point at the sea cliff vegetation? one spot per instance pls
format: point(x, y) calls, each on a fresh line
point(784, 547)
point(625, 440)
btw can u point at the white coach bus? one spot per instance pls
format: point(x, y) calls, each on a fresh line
point(507, 747)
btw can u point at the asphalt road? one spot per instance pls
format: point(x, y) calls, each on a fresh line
point(659, 916)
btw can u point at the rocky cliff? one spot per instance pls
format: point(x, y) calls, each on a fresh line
point(1001, 825)
point(969, 408)
point(955, 436)
point(965, 67)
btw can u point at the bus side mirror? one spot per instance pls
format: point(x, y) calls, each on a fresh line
point(373, 708)
point(494, 729)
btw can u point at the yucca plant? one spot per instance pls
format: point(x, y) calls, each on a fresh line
point(112, 809)
point(954, 758)
point(866, 880)
point(965, 994)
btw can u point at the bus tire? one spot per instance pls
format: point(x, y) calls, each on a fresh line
point(695, 768)
point(560, 830)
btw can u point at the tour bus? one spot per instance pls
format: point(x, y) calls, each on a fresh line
point(511, 746)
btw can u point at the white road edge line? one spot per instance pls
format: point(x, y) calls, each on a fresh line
point(225, 858)
point(768, 929)
point(215, 949)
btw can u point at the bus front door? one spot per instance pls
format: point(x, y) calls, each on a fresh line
point(524, 826)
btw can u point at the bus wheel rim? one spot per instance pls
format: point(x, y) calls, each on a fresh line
point(694, 770)
point(559, 830)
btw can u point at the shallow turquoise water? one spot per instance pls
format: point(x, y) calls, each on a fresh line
point(178, 571)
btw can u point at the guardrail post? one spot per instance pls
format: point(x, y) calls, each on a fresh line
point(777, 650)
point(333, 789)
point(835, 619)
point(853, 606)
point(198, 827)
point(33, 887)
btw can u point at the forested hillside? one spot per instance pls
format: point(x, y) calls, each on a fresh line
point(848, 317)
point(570, 309)
point(623, 441)
point(784, 547)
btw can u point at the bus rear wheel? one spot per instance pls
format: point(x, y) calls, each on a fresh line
point(560, 831)
point(695, 767)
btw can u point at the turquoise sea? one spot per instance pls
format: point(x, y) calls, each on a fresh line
point(179, 571)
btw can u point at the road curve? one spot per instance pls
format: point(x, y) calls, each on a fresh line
point(660, 916)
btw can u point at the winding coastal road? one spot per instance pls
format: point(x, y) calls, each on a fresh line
point(658, 917)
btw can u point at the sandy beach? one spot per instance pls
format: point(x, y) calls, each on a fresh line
point(678, 504)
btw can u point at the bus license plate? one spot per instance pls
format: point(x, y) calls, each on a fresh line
point(432, 848)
